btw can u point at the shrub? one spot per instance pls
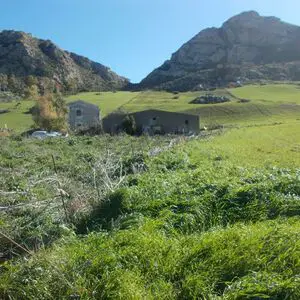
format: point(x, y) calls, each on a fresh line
point(129, 125)
point(50, 112)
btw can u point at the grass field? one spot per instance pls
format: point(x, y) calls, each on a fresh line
point(255, 146)
point(268, 104)
point(107, 101)
point(17, 119)
point(272, 93)
point(118, 217)
point(206, 219)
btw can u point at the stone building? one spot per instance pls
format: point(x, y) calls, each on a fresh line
point(83, 115)
point(154, 122)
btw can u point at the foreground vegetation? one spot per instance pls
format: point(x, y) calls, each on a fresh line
point(240, 262)
point(119, 217)
point(150, 218)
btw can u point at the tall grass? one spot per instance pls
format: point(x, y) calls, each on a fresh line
point(179, 225)
point(258, 261)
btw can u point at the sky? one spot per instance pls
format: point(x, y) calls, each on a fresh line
point(132, 37)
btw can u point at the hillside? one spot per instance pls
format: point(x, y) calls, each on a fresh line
point(265, 105)
point(25, 60)
point(247, 48)
point(214, 216)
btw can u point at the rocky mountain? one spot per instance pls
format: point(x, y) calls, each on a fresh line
point(248, 47)
point(25, 60)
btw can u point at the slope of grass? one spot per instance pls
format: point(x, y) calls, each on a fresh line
point(17, 118)
point(275, 93)
point(107, 101)
point(263, 107)
point(168, 101)
point(269, 104)
point(265, 145)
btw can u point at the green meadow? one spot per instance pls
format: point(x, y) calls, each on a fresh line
point(254, 146)
point(107, 101)
point(267, 104)
point(17, 118)
point(272, 93)
point(166, 217)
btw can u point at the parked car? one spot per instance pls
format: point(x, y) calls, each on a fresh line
point(39, 134)
point(42, 134)
point(54, 134)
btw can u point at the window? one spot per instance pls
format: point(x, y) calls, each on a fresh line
point(153, 121)
point(186, 122)
point(78, 124)
point(78, 112)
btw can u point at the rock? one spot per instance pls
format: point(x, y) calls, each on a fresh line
point(248, 47)
point(210, 99)
point(22, 55)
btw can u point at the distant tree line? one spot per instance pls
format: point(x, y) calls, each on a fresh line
point(29, 86)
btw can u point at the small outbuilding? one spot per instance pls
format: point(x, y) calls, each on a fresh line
point(83, 115)
point(154, 122)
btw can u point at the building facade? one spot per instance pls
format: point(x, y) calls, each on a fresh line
point(83, 115)
point(155, 122)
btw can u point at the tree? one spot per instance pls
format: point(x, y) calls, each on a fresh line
point(12, 83)
point(129, 125)
point(71, 86)
point(50, 112)
point(31, 92)
point(31, 80)
point(3, 82)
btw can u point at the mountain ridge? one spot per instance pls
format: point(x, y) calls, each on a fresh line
point(247, 47)
point(22, 55)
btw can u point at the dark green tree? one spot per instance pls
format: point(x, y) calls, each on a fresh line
point(129, 125)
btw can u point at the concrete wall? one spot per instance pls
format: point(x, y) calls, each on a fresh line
point(152, 121)
point(113, 122)
point(167, 122)
point(89, 116)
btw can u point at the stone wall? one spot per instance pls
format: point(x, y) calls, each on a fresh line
point(83, 115)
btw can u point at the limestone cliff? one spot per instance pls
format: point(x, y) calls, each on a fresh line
point(248, 47)
point(22, 55)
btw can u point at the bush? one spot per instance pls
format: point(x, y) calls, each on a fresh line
point(129, 125)
point(50, 112)
point(104, 214)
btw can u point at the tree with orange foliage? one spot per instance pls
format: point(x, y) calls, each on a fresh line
point(50, 112)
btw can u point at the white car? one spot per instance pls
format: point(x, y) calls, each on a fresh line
point(42, 134)
point(53, 134)
point(39, 134)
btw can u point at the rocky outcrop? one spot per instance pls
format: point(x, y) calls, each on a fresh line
point(247, 47)
point(210, 99)
point(22, 55)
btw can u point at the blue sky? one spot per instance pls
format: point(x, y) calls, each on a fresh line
point(131, 36)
